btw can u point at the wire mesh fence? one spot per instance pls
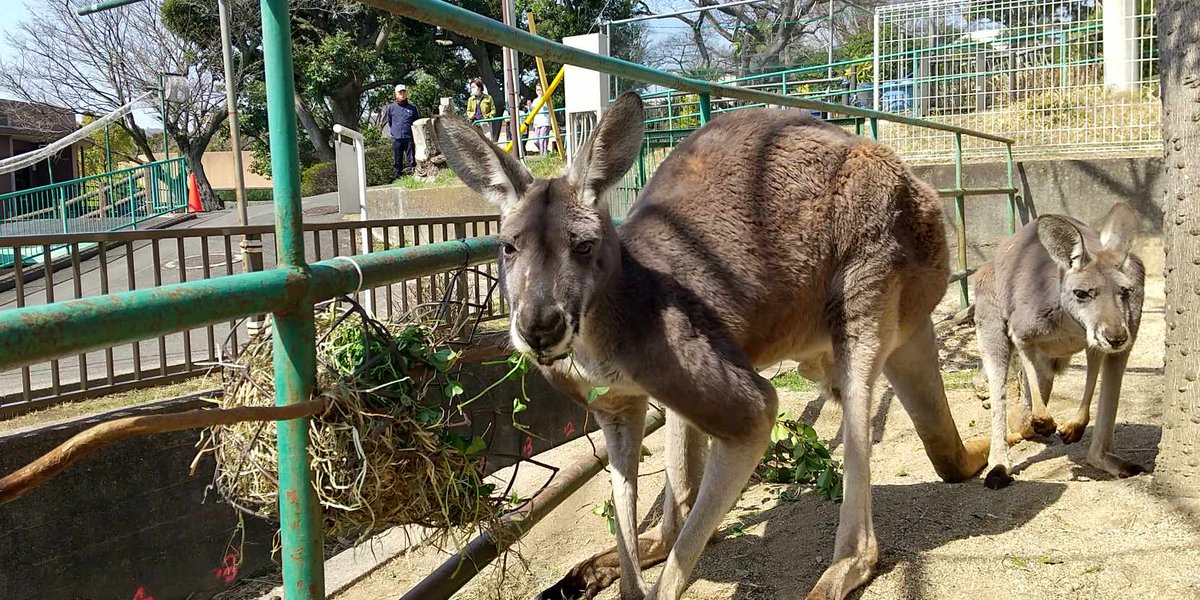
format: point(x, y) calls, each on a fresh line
point(1061, 78)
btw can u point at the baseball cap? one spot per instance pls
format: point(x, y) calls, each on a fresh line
point(400, 87)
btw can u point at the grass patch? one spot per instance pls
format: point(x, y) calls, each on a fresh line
point(792, 381)
point(957, 380)
point(444, 178)
point(542, 167)
point(82, 408)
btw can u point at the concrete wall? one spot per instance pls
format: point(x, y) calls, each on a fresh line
point(130, 518)
point(387, 202)
point(1084, 189)
point(218, 166)
point(124, 519)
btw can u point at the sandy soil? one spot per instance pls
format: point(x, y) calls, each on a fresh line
point(1062, 529)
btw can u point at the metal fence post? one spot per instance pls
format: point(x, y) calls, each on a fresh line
point(294, 335)
point(1012, 194)
point(705, 108)
point(960, 221)
point(62, 208)
point(129, 196)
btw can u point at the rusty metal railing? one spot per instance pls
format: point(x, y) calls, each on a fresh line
point(101, 263)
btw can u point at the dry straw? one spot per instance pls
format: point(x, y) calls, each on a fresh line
point(384, 453)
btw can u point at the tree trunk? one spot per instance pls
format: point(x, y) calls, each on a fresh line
point(208, 197)
point(312, 129)
point(346, 106)
point(1177, 469)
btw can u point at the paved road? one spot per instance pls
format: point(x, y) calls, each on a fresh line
point(143, 275)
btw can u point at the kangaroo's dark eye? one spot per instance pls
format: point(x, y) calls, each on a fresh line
point(509, 249)
point(1083, 295)
point(583, 248)
point(1126, 293)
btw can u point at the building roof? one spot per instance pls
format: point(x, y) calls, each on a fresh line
point(40, 123)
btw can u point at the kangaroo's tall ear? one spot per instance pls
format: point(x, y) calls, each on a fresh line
point(482, 165)
point(610, 152)
point(1119, 228)
point(1063, 241)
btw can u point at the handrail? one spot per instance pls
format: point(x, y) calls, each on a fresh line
point(465, 22)
point(50, 331)
point(105, 175)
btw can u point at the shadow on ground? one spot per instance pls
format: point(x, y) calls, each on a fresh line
point(909, 520)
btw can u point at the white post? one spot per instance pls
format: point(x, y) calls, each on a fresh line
point(1120, 45)
point(878, 78)
point(360, 184)
point(586, 92)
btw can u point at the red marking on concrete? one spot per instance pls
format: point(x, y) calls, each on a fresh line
point(140, 594)
point(569, 429)
point(527, 448)
point(228, 572)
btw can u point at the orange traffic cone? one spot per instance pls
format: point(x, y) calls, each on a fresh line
point(194, 204)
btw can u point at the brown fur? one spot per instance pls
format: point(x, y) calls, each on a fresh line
point(765, 235)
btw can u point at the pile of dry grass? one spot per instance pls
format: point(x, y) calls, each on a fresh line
point(384, 453)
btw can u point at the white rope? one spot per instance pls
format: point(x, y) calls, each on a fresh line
point(34, 157)
point(356, 268)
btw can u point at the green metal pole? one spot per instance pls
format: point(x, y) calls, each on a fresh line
point(107, 150)
point(294, 334)
point(960, 224)
point(108, 191)
point(1012, 194)
point(96, 7)
point(874, 128)
point(1062, 59)
point(705, 108)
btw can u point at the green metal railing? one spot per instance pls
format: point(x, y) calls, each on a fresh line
point(104, 202)
point(34, 334)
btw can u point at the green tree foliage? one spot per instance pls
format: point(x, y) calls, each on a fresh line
point(123, 149)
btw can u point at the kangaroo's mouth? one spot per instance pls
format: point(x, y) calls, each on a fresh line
point(548, 359)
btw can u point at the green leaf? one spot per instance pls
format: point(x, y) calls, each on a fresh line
point(442, 359)
point(1050, 560)
point(596, 392)
point(476, 446)
point(518, 406)
point(779, 432)
point(428, 416)
point(452, 389)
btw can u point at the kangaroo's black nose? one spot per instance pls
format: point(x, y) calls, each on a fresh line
point(1116, 341)
point(545, 331)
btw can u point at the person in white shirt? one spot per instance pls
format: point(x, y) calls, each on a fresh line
point(541, 124)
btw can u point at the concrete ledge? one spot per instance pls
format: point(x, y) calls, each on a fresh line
point(1084, 189)
point(387, 202)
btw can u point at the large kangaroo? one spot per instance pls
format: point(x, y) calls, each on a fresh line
point(765, 235)
point(1057, 288)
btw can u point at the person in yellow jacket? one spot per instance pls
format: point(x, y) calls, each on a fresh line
point(481, 106)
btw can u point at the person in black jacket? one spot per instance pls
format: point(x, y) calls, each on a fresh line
point(400, 117)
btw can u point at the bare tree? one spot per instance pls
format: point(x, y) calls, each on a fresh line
point(1178, 464)
point(97, 63)
point(754, 37)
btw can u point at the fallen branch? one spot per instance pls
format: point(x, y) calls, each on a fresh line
point(85, 442)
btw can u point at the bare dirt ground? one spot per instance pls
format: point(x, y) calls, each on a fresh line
point(1063, 529)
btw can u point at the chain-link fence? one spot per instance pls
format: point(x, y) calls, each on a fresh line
point(1064, 78)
